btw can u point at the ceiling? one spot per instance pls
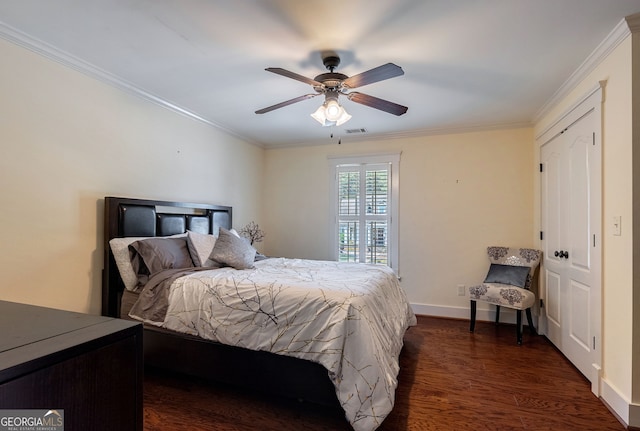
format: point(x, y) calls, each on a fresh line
point(468, 64)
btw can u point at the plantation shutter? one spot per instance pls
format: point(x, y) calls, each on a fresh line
point(363, 213)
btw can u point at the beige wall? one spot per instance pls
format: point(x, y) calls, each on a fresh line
point(459, 193)
point(617, 268)
point(67, 141)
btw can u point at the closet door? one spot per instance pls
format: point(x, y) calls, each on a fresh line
point(571, 208)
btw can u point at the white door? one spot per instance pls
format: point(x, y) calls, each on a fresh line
point(571, 214)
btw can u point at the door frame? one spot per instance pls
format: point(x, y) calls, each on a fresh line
point(591, 101)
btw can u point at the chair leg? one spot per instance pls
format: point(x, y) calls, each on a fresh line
point(532, 329)
point(519, 326)
point(497, 314)
point(473, 316)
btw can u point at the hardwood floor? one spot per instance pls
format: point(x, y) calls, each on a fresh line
point(449, 380)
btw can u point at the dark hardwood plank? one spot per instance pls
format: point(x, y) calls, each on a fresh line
point(450, 379)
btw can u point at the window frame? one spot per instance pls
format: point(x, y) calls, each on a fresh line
point(393, 161)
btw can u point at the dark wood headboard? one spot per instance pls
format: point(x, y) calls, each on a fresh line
point(125, 217)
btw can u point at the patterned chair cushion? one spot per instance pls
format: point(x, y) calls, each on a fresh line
point(503, 295)
point(506, 295)
point(516, 257)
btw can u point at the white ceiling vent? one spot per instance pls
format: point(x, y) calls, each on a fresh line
point(354, 131)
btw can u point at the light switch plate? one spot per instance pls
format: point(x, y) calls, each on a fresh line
point(617, 229)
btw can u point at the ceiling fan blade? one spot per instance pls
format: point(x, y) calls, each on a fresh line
point(379, 73)
point(293, 75)
point(374, 102)
point(286, 103)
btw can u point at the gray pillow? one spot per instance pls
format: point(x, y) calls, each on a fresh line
point(230, 250)
point(153, 255)
point(122, 256)
point(507, 274)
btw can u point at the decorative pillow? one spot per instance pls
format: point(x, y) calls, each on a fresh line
point(200, 247)
point(230, 250)
point(152, 255)
point(122, 256)
point(120, 250)
point(507, 274)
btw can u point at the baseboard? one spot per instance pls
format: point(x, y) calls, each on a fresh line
point(616, 402)
point(507, 315)
point(627, 412)
point(634, 417)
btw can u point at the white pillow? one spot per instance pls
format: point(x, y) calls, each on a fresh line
point(120, 250)
point(200, 247)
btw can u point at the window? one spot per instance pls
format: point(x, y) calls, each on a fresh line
point(365, 209)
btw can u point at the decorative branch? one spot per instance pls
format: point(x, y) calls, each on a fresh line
point(252, 232)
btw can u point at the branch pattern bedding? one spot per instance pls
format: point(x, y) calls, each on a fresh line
point(351, 318)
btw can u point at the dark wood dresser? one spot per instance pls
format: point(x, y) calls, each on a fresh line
point(89, 366)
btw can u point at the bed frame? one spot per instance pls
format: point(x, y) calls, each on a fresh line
point(185, 354)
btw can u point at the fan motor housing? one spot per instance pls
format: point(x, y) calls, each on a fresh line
point(331, 79)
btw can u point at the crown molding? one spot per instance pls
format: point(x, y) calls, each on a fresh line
point(633, 21)
point(454, 130)
point(418, 133)
point(610, 43)
point(40, 47)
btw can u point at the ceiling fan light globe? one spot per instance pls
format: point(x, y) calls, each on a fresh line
point(333, 110)
point(320, 115)
point(343, 118)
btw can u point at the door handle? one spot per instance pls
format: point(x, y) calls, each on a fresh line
point(561, 254)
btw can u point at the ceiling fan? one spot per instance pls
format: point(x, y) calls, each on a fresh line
point(333, 84)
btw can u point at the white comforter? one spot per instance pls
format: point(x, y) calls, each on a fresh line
point(351, 318)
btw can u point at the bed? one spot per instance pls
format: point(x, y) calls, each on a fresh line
point(324, 332)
